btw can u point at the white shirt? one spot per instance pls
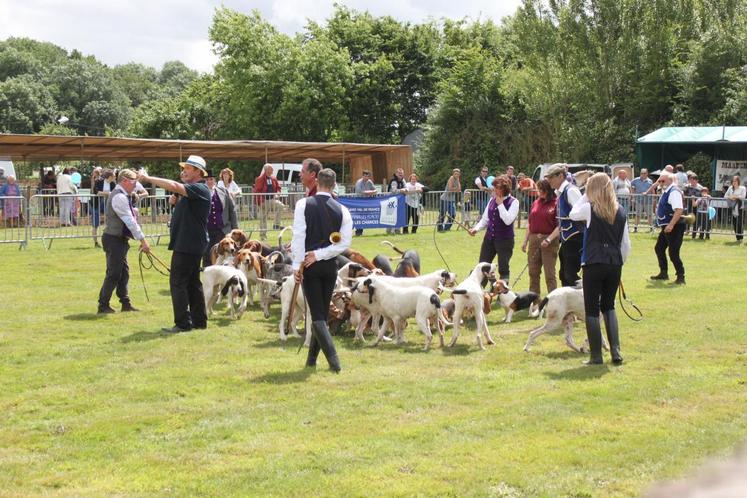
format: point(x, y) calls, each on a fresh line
point(622, 187)
point(479, 183)
point(675, 197)
point(574, 194)
point(232, 188)
point(740, 192)
point(121, 206)
point(413, 200)
point(298, 244)
point(507, 215)
point(582, 212)
point(65, 184)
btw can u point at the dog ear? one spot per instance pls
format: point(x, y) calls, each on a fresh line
point(367, 282)
point(485, 268)
point(444, 275)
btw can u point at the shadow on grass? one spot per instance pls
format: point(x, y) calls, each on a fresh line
point(660, 284)
point(584, 372)
point(221, 321)
point(164, 292)
point(84, 317)
point(144, 336)
point(456, 350)
point(562, 355)
point(284, 377)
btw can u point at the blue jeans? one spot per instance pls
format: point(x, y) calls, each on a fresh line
point(446, 207)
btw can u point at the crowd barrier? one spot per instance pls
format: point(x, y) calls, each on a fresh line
point(47, 217)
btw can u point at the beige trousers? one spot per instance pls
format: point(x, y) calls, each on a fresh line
point(539, 259)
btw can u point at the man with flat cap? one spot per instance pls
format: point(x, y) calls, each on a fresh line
point(121, 225)
point(322, 229)
point(188, 241)
point(571, 232)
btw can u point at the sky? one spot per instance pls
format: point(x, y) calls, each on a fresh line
point(152, 32)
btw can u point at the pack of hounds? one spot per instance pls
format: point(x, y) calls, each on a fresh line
point(371, 297)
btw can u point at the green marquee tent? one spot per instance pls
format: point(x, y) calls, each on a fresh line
point(726, 145)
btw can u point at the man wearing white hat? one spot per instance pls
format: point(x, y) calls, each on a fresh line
point(188, 241)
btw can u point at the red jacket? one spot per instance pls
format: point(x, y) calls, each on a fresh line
point(260, 186)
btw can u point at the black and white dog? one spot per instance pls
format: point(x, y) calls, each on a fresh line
point(514, 301)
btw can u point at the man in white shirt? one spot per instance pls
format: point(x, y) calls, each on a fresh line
point(121, 225)
point(364, 187)
point(668, 217)
point(317, 220)
point(571, 232)
point(622, 187)
point(483, 196)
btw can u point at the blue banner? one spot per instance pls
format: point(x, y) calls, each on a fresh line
point(384, 211)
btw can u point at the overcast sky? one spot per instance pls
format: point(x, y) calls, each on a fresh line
point(155, 31)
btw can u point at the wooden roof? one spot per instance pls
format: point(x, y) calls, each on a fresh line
point(54, 147)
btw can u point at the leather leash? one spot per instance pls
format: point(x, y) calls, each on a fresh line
point(153, 263)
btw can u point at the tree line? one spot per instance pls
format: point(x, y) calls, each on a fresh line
point(559, 80)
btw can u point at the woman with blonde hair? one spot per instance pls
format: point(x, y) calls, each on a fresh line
point(605, 248)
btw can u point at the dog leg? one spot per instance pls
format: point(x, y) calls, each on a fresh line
point(534, 334)
point(426, 328)
point(568, 323)
point(509, 315)
point(488, 338)
point(456, 320)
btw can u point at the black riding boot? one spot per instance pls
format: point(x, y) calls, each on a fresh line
point(324, 338)
point(613, 336)
point(313, 350)
point(594, 334)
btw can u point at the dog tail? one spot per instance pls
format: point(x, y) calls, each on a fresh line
point(280, 235)
point(459, 291)
point(435, 301)
point(543, 303)
point(229, 283)
point(396, 249)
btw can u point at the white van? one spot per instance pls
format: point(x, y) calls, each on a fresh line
point(541, 170)
point(6, 165)
point(287, 173)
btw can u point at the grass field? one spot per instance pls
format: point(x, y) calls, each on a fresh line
point(108, 405)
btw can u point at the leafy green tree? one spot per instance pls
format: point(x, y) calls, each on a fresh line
point(25, 105)
point(138, 82)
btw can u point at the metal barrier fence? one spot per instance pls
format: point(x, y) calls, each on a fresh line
point(47, 217)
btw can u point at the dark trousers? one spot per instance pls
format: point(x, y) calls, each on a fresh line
point(737, 222)
point(117, 269)
point(412, 213)
point(600, 285)
point(187, 297)
point(570, 260)
point(504, 248)
point(670, 241)
point(214, 237)
point(318, 283)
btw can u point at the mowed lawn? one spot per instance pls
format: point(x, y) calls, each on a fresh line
point(109, 405)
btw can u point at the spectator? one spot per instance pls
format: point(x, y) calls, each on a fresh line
point(396, 185)
point(364, 187)
point(226, 181)
point(222, 217)
point(11, 207)
point(499, 219)
point(269, 203)
point(188, 240)
point(703, 218)
point(66, 189)
point(692, 192)
point(542, 239)
point(681, 176)
point(482, 197)
point(642, 204)
point(414, 193)
point(511, 176)
point(3, 179)
point(735, 196)
point(622, 187)
point(121, 225)
point(48, 187)
point(77, 179)
point(528, 190)
point(95, 205)
point(448, 199)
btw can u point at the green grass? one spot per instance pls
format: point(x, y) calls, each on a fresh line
point(108, 405)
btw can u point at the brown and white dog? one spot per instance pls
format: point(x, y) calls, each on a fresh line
point(253, 265)
point(239, 237)
point(223, 251)
point(513, 301)
point(563, 305)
